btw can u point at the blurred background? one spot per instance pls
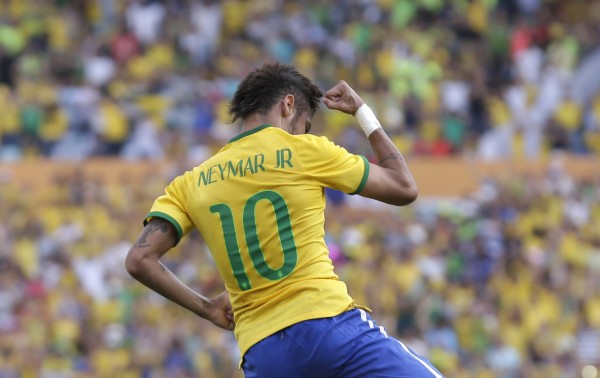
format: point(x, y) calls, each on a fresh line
point(493, 272)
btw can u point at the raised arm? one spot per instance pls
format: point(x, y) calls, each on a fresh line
point(390, 180)
point(143, 263)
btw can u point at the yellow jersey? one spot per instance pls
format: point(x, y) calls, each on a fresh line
point(259, 204)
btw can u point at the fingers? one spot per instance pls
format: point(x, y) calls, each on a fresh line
point(225, 321)
point(231, 326)
point(334, 93)
point(334, 97)
point(327, 102)
point(337, 91)
point(231, 322)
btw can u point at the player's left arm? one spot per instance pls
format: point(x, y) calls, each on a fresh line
point(143, 263)
point(390, 180)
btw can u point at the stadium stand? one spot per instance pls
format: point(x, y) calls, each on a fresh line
point(497, 281)
point(148, 79)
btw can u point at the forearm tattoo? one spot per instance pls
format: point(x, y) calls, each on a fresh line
point(156, 224)
point(393, 156)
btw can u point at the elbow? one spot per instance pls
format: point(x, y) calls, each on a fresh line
point(411, 195)
point(134, 263)
point(406, 196)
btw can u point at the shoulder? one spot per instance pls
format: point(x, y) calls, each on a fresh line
point(314, 140)
point(319, 149)
point(180, 181)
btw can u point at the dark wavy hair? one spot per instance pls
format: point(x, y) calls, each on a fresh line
point(262, 88)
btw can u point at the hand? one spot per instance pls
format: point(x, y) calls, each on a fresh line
point(221, 313)
point(343, 98)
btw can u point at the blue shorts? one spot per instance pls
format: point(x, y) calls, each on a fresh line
point(348, 345)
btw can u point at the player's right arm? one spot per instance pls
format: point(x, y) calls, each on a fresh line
point(143, 263)
point(390, 180)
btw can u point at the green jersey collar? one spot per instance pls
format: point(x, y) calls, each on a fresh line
point(250, 132)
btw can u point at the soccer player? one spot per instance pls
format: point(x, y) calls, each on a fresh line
point(259, 204)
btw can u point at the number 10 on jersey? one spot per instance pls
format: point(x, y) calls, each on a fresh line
point(284, 229)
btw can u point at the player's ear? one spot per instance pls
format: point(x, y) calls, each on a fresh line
point(288, 105)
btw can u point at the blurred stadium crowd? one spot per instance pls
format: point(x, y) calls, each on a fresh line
point(501, 283)
point(149, 78)
point(510, 272)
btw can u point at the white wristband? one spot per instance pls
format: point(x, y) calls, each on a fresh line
point(366, 119)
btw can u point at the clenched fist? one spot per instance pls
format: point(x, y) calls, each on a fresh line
point(343, 98)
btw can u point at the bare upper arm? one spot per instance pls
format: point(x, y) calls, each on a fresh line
point(389, 186)
point(157, 237)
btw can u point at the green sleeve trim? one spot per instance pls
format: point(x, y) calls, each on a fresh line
point(166, 217)
point(363, 182)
